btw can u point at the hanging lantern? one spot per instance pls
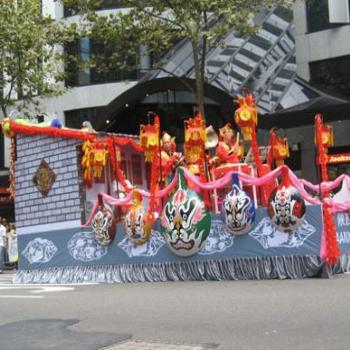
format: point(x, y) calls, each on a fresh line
point(324, 134)
point(185, 222)
point(246, 116)
point(286, 207)
point(86, 163)
point(149, 138)
point(195, 138)
point(327, 136)
point(99, 160)
point(280, 150)
point(95, 156)
point(103, 225)
point(323, 139)
point(238, 209)
point(137, 231)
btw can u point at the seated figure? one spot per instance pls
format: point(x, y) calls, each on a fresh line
point(170, 159)
point(228, 149)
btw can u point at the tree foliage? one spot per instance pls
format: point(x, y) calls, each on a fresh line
point(31, 64)
point(160, 23)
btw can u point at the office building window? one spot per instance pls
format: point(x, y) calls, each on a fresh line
point(332, 74)
point(75, 118)
point(105, 70)
point(318, 16)
point(103, 5)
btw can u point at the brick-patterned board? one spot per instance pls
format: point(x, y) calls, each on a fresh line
point(63, 202)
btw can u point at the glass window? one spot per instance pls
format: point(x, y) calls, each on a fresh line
point(318, 16)
point(332, 74)
point(103, 5)
point(105, 70)
point(75, 118)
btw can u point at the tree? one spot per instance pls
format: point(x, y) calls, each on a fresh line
point(30, 63)
point(158, 23)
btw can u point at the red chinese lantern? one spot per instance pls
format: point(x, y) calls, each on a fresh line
point(195, 138)
point(327, 136)
point(246, 116)
point(323, 139)
point(149, 138)
point(280, 150)
point(100, 156)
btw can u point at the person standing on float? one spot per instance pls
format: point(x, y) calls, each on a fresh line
point(170, 159)
point(228, 150)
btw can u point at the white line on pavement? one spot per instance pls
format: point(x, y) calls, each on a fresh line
point(52, 289)
point(21, 296)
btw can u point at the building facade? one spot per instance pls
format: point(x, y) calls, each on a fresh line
point(322, 37)
point(268, 63)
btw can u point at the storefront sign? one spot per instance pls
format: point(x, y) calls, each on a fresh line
point(4, 195)
point(339, 158)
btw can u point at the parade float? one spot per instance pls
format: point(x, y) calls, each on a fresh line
point(101, 207)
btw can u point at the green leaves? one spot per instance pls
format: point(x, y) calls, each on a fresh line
point(161, 23)
point(30, 63)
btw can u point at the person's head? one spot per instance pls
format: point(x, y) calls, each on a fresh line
point(168, 142)
point(227, 133)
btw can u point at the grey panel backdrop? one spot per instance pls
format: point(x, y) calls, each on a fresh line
point(76, 247)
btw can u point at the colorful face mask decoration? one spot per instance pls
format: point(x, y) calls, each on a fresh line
point(185, 222)
point(286, 208)
point(103, 225)
point(238, 210)
point(135, 228)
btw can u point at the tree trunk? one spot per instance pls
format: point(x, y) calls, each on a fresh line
point(3, 110)
point(199, 80)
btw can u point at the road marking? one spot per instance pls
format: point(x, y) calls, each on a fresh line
point(52, 289)
point(133, 345)
point(7, 285)
point(4, 296)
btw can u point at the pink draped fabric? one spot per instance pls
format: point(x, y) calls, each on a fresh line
point(109, 200)
point(299, 184)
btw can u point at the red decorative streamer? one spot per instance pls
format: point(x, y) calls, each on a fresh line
point(259, 166)
point(331, 250)
point(118, 172)
point(12, 168)
point(69, 134)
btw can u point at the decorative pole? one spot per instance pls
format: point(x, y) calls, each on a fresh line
point(246, 117)
point(149, 140)
point(330, 251)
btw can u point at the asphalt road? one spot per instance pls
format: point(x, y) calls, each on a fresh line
point(290, 314)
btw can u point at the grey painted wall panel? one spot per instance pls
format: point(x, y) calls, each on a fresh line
point(63, 202)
